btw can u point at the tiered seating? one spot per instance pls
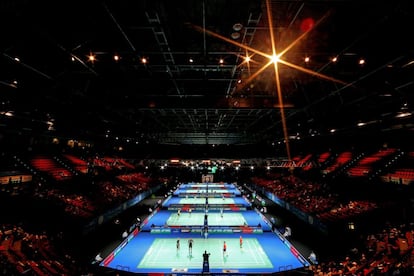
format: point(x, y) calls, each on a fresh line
point(403, 173)
point(110, 163)
point(79, 164)
point(313, 198)
point(341, 160)
point(364, 166)
point(400, 176)
point(136, 181)
point(344, 211)
point(387, 251)
point(323, 157)
point(13, 171)
point(305, 162)
point(32, 254)
point(126, 164)
point(51, 167)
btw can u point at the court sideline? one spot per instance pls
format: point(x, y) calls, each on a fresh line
point(279, 218)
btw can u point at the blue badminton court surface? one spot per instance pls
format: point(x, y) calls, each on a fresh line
point(161, 244)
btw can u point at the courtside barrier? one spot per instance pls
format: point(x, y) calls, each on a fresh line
point(211, 229)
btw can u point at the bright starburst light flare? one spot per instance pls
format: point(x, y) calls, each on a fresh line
point(275, 58)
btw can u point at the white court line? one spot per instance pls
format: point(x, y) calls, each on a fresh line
point(155, 258)
point(258, 254)
point(155, 255)
point(253, 252)
point(262, 254)
point(185, 262)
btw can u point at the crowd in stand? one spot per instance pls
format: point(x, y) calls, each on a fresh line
point(388, 252)
point(107, 194)
point(314, 198)
point(41, 253)
point(28, 253)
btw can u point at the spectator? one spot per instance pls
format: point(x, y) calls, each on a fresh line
point(98, 258)
point(288, 232)
point(312, 258)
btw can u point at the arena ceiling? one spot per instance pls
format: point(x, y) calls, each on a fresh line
point(182, 76)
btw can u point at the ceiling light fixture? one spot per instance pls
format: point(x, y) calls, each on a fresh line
point(235, 35)
point(237, 27)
